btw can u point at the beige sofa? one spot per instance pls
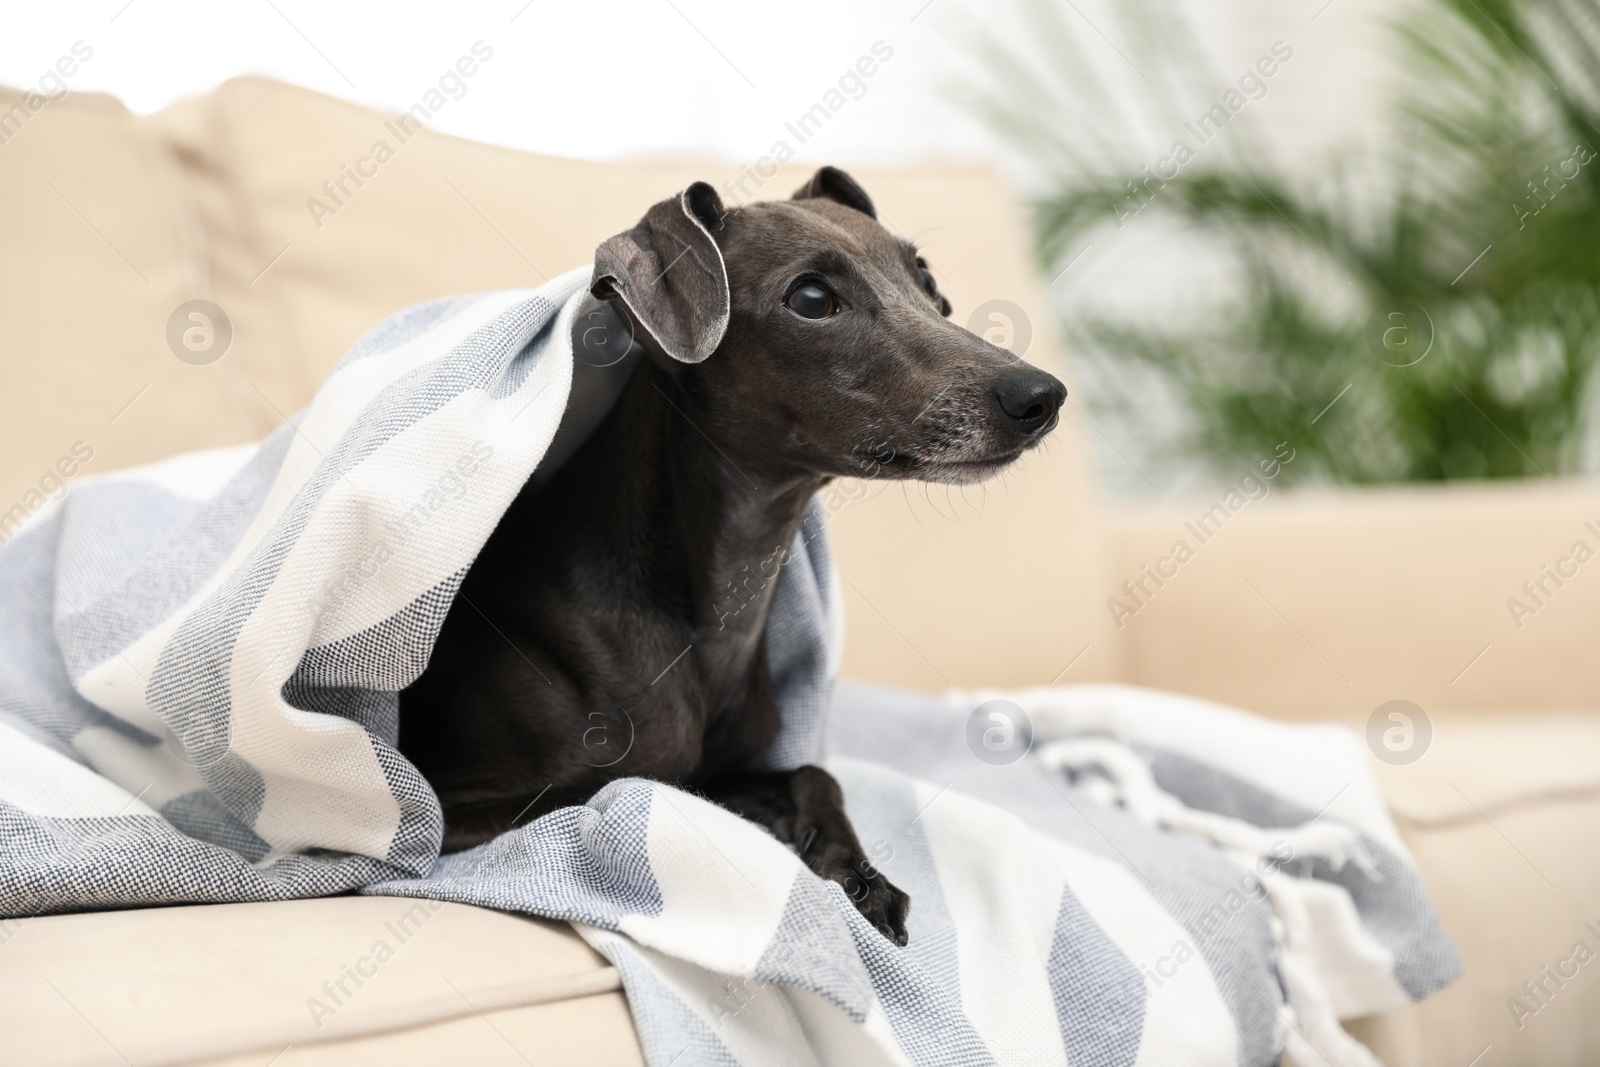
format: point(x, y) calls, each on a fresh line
point(1311, 606)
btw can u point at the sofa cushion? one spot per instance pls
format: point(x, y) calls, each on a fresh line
point(100, 248)
point(1500, 815)
point(372, 975)
point(1326, 604)
point(595, 1031)
point(1481, 763)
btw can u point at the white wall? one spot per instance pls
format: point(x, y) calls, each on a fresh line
point(631, 77)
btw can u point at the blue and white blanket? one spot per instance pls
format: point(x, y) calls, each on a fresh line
point(199, 663)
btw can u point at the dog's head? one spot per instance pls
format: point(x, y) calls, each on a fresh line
point(816, 340)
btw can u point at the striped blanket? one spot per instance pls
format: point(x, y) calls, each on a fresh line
point(199, 668)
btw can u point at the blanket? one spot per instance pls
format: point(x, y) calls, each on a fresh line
point(200, 664)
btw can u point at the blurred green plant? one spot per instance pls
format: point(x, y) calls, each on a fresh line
point(1482, 233)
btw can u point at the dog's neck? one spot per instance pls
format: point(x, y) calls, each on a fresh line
point(689, 535)
point(731, 519)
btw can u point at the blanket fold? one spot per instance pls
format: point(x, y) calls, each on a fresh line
point(200, 664)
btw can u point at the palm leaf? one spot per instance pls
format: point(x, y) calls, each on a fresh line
point(1489, 222)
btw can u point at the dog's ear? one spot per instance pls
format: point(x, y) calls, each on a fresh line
point(831, 183)
point(669, 273)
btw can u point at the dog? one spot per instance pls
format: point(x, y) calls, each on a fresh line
point(759, 353)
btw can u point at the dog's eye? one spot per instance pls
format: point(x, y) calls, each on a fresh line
point(811, 300)
point(928, 284)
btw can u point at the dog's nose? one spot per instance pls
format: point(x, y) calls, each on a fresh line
point(1033, 398)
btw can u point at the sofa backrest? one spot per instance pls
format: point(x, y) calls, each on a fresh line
point(308, 219)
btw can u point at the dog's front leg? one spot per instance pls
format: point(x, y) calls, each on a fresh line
point(804, 808)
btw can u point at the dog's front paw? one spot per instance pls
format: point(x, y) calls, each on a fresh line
point(805, 809)
point(882, 903)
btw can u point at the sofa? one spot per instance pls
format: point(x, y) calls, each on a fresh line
point(1312, 605)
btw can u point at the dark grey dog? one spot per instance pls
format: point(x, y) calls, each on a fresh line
point(784, 344)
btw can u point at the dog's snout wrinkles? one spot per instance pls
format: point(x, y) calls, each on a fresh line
point(1032, 398)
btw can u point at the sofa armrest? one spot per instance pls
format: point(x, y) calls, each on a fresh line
point(1325, 605)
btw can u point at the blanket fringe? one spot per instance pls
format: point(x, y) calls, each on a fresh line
point(1310, 1030)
